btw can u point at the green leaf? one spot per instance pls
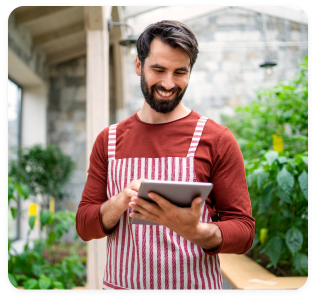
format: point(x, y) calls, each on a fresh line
point(52, 237)
point(12, 280)
point(286, 198)
point(283, 160)
point(266, 197)
point(305, 159)
point(285, 181)
point(32, 221)
point(294, 239)
point(11, 191)
point(45, 216)
point(261, 176)
point(14, 212)
point(303, 181)
point(44, 283)
point(37, 269)
point(300, 262)
point(273, 249)
point(271, 156)
point(30, 284)
point(58, 285)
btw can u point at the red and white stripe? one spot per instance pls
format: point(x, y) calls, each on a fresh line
point(196, 136)
point(152, 256)
point(112, 142)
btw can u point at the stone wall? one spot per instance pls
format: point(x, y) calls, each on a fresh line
point(67, 122)
point(227, 72)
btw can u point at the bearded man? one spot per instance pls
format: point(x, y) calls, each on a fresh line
point(165, 140)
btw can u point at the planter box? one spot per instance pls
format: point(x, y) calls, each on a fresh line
point(243, 273)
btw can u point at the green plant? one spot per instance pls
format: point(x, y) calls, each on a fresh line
point(16, 190)
point(278, 188)
point(44, 170)
point(277, 180)
point(281, 110)
point(30, 268)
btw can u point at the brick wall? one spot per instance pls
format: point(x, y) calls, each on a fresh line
point(227, 72)
point(67, 121)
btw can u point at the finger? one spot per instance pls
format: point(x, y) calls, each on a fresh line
point(144, 206)
point(196, 204)
point(196, 201)
point(161, 202)
point(129, 193)
point(135, 184)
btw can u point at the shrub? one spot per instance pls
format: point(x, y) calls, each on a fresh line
point(272, 133)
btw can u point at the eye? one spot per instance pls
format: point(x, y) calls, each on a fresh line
point(158, 71)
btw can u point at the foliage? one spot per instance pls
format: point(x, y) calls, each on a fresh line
point(278, 188)
point(16, 190)
point(278, 180)
point(44, 171)
point(281, 110)
point(30, 269)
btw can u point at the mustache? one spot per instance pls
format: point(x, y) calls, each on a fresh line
point(161, 88)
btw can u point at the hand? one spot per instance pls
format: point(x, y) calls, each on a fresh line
point(184, 221)
point(123, 198)
point(112, 210)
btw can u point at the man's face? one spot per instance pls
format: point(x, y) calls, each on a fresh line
point(164, 76)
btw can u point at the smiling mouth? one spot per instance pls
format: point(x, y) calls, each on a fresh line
point(164, 95)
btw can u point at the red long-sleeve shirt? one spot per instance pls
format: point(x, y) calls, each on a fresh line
point(218, 159)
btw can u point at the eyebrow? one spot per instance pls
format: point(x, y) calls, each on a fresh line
point(157, 66)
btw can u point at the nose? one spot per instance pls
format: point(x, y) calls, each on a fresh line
point(168, 82)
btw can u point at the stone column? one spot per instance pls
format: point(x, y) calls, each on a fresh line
point(96, 18)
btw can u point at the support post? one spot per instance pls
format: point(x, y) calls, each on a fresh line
point(96, 19)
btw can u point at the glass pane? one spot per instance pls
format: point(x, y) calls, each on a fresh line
point(14, 116)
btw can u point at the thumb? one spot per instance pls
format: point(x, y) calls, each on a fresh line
point(196, 203)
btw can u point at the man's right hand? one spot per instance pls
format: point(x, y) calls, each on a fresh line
point(112, 210)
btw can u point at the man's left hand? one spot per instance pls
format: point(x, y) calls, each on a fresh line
point(183, 220)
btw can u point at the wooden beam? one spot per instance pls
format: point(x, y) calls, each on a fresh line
point(59, 35)
point(38, 13)
point(94, 18)
point(70, 39)
point(20, 72)
point(67, 54)
point(97, 116)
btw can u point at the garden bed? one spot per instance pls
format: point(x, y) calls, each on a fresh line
point(63, 250)
point(262, 260)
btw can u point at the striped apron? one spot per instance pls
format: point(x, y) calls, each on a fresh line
point(153, 256)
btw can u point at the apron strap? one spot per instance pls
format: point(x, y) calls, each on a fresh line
point(196, 136)
point(112, 142)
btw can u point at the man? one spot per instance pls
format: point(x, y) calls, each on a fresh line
point(166, 141)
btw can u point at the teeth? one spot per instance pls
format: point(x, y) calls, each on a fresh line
point(165, 94)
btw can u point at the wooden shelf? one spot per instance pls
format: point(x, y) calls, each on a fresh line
point(243, 273)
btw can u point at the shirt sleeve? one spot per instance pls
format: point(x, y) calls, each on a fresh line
point(88, 218)
point(231, 198)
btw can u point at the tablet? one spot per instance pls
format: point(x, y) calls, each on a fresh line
point(177, 192)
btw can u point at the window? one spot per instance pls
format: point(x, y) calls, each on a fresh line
point(14, 140)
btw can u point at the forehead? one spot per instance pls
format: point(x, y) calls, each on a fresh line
point(166, 55)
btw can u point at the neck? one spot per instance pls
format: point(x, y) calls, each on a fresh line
point(148, 115)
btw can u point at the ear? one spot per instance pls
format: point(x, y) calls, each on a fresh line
point(138, 65)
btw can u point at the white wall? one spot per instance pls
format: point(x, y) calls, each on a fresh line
point(33, 127)
point(34, 108)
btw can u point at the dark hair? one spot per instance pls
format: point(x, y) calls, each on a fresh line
point(172, 33)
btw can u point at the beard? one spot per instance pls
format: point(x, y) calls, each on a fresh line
point(160, 105)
